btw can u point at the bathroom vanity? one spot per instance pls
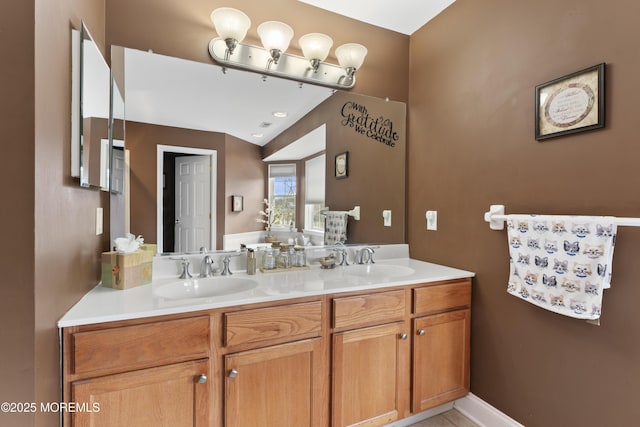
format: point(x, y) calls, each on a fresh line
point(356, 345)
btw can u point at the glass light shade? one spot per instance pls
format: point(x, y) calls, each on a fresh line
point(351, 55)
point(315, 46)
point(230, 23)
point(275, 35)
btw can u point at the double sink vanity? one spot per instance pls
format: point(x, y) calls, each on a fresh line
point(364, 344)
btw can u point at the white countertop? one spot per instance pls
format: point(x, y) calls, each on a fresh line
point(106, 305)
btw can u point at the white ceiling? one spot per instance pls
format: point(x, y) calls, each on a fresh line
point(176, 92)
point(403, 16)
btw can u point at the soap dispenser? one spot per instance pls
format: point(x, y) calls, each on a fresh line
point(251, 261)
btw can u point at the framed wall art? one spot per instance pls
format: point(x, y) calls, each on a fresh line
point(570, 104)
point(237, 203)
point(342, 165)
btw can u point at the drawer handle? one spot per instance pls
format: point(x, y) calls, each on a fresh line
point(202, 379)
point(233, 373)
point(422, 332)
point(403, 336)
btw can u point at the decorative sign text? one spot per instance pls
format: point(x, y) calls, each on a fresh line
point(380, 129)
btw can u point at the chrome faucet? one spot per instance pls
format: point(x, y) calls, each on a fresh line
point(206, 268)
point(365, 255)
point(185, 269)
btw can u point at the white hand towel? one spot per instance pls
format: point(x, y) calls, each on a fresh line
point(561, 263)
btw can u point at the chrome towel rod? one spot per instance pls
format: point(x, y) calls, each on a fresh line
point(355, 212)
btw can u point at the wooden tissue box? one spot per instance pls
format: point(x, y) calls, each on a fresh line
point(125, 271)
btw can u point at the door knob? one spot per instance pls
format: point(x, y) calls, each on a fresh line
point(233, 373)
point(422, 332)
point(177, 221)
point(202, 379)
point(403, 336)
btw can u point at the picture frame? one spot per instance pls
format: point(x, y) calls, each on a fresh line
point(570, 104)
point(342, 165)
point(237, 203)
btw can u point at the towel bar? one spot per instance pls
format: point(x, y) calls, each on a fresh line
point(355, 212)
point(496, 218)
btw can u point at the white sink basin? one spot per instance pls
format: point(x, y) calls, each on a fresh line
point(378, 271)
point(205, 288)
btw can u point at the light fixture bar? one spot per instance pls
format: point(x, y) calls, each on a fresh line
point(292, 67)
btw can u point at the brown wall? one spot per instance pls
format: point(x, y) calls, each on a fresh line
point(246, 175)
point(376, 171)
point(183, 29)
point(56, 216)
point(471, 118)
point(17, 185)
point(141, 141)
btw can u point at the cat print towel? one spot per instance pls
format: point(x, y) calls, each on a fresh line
point(561, 263)
point(335, 227)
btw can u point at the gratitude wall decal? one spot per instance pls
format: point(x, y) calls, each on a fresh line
point(357, 117)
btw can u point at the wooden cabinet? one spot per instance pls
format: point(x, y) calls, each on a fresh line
point(368, 375)
point(275, 386)
point(168, 396)
point(441, 344)
point(369, 369)
point(144, 374)
point(358, 359)
point(278, 379)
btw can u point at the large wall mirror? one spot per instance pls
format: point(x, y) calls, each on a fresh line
point(91, 88)
point(220, 129)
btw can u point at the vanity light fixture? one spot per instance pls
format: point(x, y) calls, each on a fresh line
point(315, 47)
point(275, 37)
point(228, 50)
point(231, 25)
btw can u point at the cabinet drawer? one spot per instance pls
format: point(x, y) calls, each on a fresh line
point(140, 346)
point(442, 297)
point(293, 322)
point(371, 309)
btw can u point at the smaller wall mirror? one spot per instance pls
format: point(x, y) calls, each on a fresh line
point(91, 82)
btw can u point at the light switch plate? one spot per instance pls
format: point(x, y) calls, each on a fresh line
point(386, 214)
point(98, 221)
point(432, 220)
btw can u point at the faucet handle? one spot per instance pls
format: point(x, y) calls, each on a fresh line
point(225, 270)
point(185, 269)
point(342, 255)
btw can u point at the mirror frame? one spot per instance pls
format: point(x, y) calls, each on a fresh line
point(79, 133)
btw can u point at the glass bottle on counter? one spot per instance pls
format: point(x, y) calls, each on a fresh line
point(282, 258)
point(300, 257)
point(268, 260)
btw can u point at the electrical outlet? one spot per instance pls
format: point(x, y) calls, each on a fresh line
point(432, 220)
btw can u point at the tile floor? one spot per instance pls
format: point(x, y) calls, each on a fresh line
point(451, 418)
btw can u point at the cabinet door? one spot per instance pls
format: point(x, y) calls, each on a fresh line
point(168, 396)
point(275, 386)
point(369, 375)
point(440, 359)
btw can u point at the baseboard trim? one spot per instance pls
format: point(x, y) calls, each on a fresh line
point(421, 416)
point(483, 414)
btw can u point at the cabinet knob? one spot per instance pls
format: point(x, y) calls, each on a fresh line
point(403, 336)
point(422, 332)
point(233, 373)
point(202, 379)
